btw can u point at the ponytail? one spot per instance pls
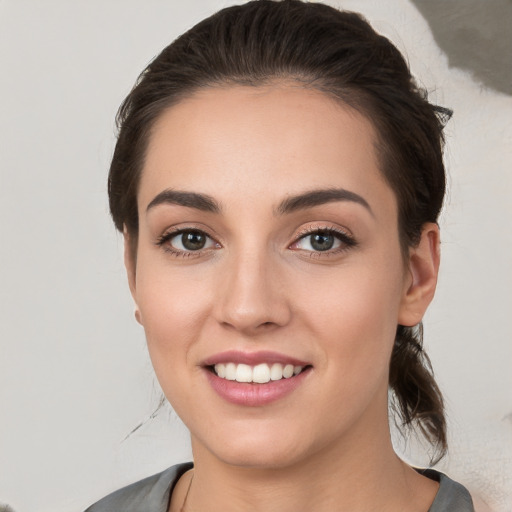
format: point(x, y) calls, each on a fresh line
point(417, 398)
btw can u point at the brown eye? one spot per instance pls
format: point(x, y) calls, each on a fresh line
point(190, 240)
point(193, 240)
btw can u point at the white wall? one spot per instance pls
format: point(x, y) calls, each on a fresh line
point(75, 378)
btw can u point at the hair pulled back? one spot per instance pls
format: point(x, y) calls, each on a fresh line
point(339, 54)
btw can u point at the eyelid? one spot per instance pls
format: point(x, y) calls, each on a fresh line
point(315, 228)
point(344, 235)
point(171, 232)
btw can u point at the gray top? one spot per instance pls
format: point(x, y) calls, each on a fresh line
point(153, 494)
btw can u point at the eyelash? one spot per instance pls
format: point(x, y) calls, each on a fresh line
point(163, 241)
point(347, 241)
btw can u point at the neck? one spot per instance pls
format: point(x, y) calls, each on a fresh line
point(356, 475)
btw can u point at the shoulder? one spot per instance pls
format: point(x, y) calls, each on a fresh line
point(451, 495)
point(148, 495)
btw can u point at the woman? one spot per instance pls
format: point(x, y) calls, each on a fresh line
point(278, 179)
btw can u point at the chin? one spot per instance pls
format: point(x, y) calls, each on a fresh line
point(264, 459)
point(257, 447)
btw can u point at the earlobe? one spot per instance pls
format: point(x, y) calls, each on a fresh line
point(421, 284)
point(131, 265)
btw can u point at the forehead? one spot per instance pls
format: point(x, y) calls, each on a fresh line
point(262, 142)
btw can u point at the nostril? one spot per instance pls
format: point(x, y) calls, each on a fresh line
point(267, 325)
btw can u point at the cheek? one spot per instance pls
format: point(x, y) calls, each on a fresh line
point(172, 320)
point(174, 306)
point(355, 325)
point(355, 314)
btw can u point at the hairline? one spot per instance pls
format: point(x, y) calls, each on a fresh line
point(351, 98)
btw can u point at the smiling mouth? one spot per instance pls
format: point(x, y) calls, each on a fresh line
point(258, 374)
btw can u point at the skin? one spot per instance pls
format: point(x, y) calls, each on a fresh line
point(258, 285)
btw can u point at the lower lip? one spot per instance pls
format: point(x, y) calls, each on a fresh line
point(253, 395)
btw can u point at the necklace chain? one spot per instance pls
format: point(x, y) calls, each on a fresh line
point(182, 509)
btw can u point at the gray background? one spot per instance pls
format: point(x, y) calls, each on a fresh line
point(75, 377)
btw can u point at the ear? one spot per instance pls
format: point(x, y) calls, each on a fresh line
point(420, 284)
point(130, 263)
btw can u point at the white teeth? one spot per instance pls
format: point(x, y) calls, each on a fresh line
point(288, 371)
point(231, 371)
point(220, 369)
point(260, 374)
point(276, 372)
point(243, 373)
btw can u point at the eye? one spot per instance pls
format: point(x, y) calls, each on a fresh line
point(323, 240)
point(318, 241)
point(186, 241)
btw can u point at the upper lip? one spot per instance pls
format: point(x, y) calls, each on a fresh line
point(252, 358)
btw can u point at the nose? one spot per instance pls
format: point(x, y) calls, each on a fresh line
point(252, 296)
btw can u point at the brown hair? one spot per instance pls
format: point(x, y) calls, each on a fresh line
point(339, 54)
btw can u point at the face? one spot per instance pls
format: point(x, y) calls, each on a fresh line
point(268, 277)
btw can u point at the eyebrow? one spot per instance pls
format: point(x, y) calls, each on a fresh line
point(201, 202)
point(291, 204)
point(319, 197)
